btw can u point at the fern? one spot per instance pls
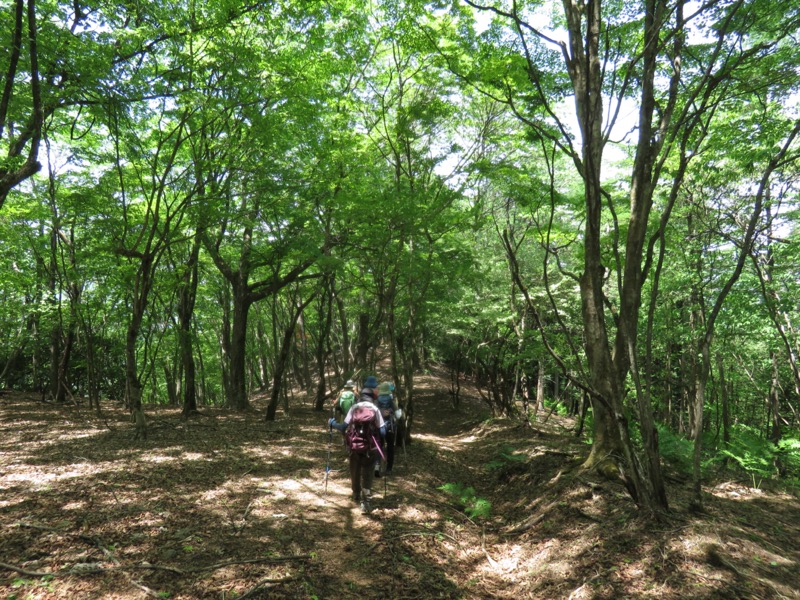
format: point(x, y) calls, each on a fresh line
point(675, 449)
point(472, 505)
point(788, 449)
point(750, 452)
point(505, 456)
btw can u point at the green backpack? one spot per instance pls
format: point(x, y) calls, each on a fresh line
point(346, 400)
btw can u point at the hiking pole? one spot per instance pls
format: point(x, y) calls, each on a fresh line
point(328, 460)
point(403, 439)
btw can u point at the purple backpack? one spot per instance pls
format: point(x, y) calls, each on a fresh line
point(361, 432)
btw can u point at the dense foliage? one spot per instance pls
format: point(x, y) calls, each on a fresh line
point(590, 209)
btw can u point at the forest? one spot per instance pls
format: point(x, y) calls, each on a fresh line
point(563, 229)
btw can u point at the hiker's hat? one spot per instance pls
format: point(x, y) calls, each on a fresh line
point(371, 382)
point(349, 385)
point(384, 388)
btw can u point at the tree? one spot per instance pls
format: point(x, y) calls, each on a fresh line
point(22, 109)
point(610, 54)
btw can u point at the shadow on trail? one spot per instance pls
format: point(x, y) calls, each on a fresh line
point(230, 504)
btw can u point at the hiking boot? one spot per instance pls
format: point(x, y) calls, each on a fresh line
point(366, 506)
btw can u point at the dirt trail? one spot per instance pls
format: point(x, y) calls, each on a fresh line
point(226, 506)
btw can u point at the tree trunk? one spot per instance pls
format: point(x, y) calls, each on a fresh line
point(539, 390)
point(703, 370)
point(280, 361)
point(263, 363)
point(172, 388)
point(305, 362)
point(225, 342)
point(237, 385)
point(345, 350)
point(775, 412)
point(362, 347)
point(56, 330)
point(325, 319)
point(726, 419)
point(187, 296)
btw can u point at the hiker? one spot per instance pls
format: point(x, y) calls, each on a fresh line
point(345, 399)
point(363, 427)
point(369, 391)
point(389, 412)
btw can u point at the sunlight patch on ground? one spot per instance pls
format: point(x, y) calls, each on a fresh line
point(158, 458)
point(193, 456)
point(269, 455)
point(694, 545)
point(306, 491)
point(439, 442)
point(212, 495)
point(734, 490)
point(554, 560)
point(40, 479)
point(413, 513)
point(36, 437)
point(506, 560)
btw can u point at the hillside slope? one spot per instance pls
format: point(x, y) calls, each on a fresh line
point(227, 506)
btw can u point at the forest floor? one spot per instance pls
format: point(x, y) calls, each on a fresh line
point(227, 506)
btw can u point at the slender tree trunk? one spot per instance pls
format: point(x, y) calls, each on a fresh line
point(540, 390)
point(263, 362)
point(745, 250)
point(775, 412)
point(303, 366)
point(170, 381)
point(346, 350)
point(237, 386)
point(225, 341)
point(133, 387)
point(187, 296)
point(56, 329)
point(325, 320)
point(726, 419)
point(703, 370)
point(283, 356)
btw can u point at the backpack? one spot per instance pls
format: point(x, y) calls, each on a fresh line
point(361, 432)
point(346, 400)
point(385, 404)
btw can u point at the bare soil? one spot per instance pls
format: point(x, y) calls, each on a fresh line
point(227, 506)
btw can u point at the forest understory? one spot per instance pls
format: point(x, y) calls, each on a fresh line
point(228, 506)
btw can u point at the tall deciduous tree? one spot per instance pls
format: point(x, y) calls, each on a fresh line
point(677, 62)
point(22, 108)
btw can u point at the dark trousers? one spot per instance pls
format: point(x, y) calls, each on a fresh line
point(361, 472)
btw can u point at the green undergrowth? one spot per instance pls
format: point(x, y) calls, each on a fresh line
point(748, 453)
point(507, 455)
point(473, 506)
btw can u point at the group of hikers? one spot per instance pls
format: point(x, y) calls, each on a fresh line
point(368, 418)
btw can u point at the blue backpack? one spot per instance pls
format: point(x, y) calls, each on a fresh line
point(385, 404)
